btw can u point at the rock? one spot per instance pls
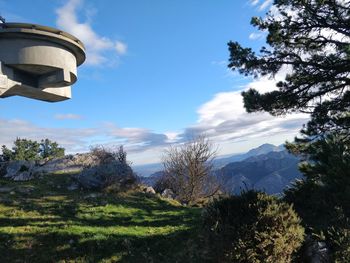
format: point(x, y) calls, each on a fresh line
point(90, 178)
point(149, 190)
point(3, 168)
point(68, 164)
point(106, 174)
point(93, 195)
point(24, 176)
point(316, 251)
point(6, 189)
point(73, 187)
point(20, 170)
point(25, 189)
point(168, 193)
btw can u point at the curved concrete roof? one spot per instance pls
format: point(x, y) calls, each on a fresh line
point(25, 30)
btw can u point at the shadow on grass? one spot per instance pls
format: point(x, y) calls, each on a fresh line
point(53, 247)
point(44, 228)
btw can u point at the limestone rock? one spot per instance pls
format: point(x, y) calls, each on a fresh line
point(168, 193)
point(149, 190)
point(68, 164)
point(73, 187)
point(20, 170)
point(103, 175)
point(316, 251)
point(3, 168)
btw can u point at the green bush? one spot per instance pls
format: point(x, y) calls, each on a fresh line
point(252, 227)
point(29, 150)
point(338, 237)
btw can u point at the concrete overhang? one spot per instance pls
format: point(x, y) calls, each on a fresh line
point(38, 62)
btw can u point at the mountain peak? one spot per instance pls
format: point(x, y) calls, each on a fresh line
point(263, 149)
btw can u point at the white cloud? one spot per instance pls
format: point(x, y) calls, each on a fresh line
point(74, 140)
point(255, 36)
point(121, 48)
point(265, 4)
point(68, 116)
point(96, 46)
point(226, 122)
point(261, 5)
point(254, 2)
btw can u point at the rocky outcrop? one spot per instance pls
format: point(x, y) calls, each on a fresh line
point(111, 172)
point(26, 170)
point(3, 168)
point(68, 164)
point(90, 171)
point(20, 170)
point(150, 190)
point(316, 251)
point(168, 193)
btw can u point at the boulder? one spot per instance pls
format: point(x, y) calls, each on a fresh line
point(316, 251)
point(106, 174)
point(68, 164)
point(149, 190)
point(3, 168)
point(20, 170)
point(73, 187)
point(168, 193)
point(90, 178)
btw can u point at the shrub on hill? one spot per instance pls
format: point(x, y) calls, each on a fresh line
point(338, 237)
point(110, 171)
point(253, 227)
point(28, 150)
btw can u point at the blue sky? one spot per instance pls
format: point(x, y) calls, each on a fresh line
point(155, 75)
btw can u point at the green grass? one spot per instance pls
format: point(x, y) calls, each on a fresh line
point(41, 221)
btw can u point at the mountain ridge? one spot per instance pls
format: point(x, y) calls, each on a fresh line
point(146, 170)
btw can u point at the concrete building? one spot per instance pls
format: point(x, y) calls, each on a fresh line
point(38, 62)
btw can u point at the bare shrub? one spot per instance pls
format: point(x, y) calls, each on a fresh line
point(188, 170)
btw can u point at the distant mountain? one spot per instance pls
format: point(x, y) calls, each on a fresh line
point(151, 179)
point(148, 169)
point(262, 149)
point(270, 172)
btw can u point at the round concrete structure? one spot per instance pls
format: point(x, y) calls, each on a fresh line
point(42, 61)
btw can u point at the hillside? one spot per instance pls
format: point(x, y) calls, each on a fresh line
point(147, 170)
point(270, 172)
point(268, 168)
point(42, 221)
point(262, 149)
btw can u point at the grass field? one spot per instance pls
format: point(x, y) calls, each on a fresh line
point(42, 221)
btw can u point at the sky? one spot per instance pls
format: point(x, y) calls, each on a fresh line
point(156, 75)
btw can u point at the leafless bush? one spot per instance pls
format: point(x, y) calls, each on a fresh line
point(188, 170)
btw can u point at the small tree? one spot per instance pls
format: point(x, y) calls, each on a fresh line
point(29, 150)
point(49, 149)
point(7, 154)
point(188, 169)
point(23, 149)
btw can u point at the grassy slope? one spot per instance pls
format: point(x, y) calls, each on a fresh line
point(41, 221)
